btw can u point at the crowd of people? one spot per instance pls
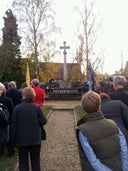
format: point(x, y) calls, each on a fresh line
point(26, 118)
point(102, 133)
point(83, 86)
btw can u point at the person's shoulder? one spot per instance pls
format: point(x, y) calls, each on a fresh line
point(115, 102)
point(111, 93)
point(82, 126)
point(16, 93)
point(18, 105)
point(123, 93)
point(7, 92)
point(126, 92)
point(41, 89)
point(6, 99)
point(111, 122)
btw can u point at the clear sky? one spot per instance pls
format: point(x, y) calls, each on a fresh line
point(115, 28)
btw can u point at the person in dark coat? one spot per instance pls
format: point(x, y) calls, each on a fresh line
point(6, 101)
point(119, 92)
point(27, 120)
point(102, 145)
point(117, 111)
point(13, 93)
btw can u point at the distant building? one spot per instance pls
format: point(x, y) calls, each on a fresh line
point(73, 70)
point(48, 70)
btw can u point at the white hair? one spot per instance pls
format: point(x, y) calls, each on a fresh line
point(12, 84)
point(120, 80)
point(2, 87)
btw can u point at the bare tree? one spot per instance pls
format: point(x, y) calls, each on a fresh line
point(88, 28)
point(36, 19)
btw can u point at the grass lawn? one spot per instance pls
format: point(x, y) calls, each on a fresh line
point(79, 112)
point(47, 109)
point(9, 163)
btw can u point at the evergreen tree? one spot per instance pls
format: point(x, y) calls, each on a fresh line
point(11, 42)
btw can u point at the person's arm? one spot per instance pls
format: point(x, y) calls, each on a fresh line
point(124, 114)
point(41, 116)
point(124, 151)
point(93, 160)
point(13, 128)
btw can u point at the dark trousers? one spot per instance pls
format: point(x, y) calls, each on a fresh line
point(34, 152)
point(2, 149)
point(10, 148)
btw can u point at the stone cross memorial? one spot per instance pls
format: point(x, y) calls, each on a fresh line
point(65, 62)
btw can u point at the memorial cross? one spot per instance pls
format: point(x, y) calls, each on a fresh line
point(65, 62)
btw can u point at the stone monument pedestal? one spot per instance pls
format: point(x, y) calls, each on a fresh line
point(65, 84)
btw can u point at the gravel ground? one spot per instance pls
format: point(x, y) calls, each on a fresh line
point(60, 151)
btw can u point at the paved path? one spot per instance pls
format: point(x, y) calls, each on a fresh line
point(60, 151)
point(63, 103)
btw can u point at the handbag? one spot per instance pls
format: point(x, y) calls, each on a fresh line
point(43, 133)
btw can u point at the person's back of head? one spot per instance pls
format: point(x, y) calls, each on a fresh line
point(91, 102)
point(6, 84)
point(118, 82)
point(34, 82)
point(28, 93)
point(12, 85)
point(24, 84)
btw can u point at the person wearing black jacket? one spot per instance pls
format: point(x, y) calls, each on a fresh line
point(117, 111)
point(6, 101)
point(26, 130)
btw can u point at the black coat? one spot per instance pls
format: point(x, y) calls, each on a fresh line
point(25, 127)
point(117, 111)
point(120, 94)
point(4, 130)
point(8, 103)
point(15, 95)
